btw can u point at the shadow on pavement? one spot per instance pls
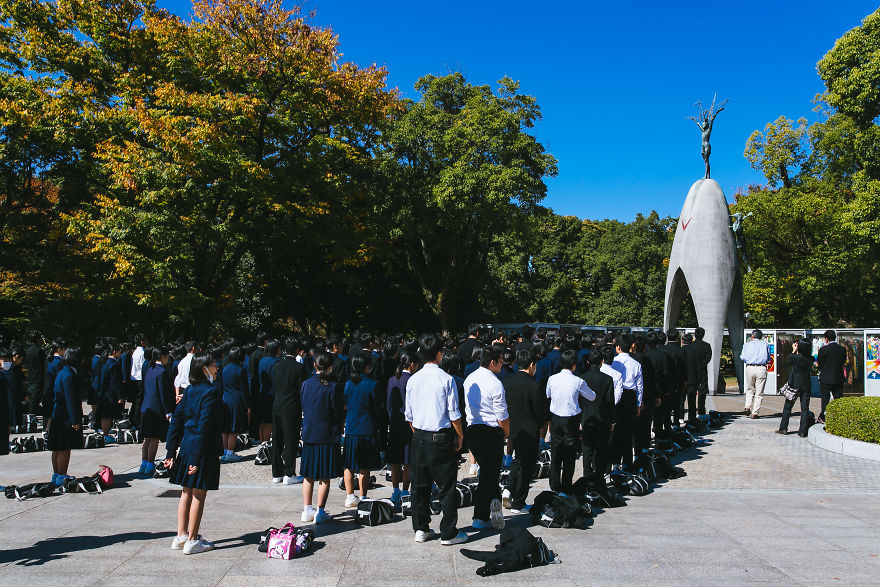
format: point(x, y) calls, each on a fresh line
point(51, 549)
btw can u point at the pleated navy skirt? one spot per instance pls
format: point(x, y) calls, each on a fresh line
point(235, 413)
point(207, 476)
point(320, 461)
point(153, 424)
point(360, 452)
point(60, 437)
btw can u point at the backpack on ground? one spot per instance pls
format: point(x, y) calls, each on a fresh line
point(406, 505)
point(30, 490)
point(242, 441)
point(464, 495)
point(104, 476)
point(161, 472)
point(553, 511)
point(90, 485)
point(374, 512)
point(357, 484)
point(264, 454)
point(542, 469)
point(517, 549)
point(94, 441)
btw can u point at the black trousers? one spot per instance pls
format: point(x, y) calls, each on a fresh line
point(805, 410)
point(487, 445)
point(135, 412)
point(692, 393)
point(522, 470)
point(35, 397)
point(828, 391)
point(432, 459)
point(642, 436)
point(285, 441)
point(564, 440)
point(680, 397)
point(663, 417)
point(596, 445)
point(702, 392)
point(622, 439)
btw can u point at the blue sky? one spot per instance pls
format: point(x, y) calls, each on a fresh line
point(615, 80)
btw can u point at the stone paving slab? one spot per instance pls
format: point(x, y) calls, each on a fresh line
point(754, 507)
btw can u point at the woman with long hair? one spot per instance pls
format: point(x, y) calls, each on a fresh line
point(800, 361)
point(194, 446)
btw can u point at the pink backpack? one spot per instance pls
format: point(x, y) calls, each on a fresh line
point(105, 476)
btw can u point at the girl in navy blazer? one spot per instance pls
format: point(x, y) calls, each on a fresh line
point(236, 409)
point(65, 427)
point(323, 405)
point(156, 407)
point(194, 446)
point(361, 434)
point(111, 399)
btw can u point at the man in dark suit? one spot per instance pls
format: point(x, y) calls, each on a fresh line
point(832, 358)
point(678, 373)
point(526, 408)
point(650, 395)
point(597, 419)
point(697, 355)
point(288, 375)
point(663, 370)
point(35, 363)
point(466, 347)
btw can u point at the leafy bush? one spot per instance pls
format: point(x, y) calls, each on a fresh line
point(854, 417)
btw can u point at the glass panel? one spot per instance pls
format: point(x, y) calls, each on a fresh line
point(854, 370)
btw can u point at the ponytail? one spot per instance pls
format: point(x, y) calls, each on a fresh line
point(323, 362)
point(359, 364)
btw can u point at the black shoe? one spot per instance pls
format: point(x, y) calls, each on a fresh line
point(783, 432)
point(802, 435)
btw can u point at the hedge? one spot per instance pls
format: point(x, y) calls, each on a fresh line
point(854, 417)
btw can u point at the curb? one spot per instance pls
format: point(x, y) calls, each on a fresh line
point(845, 446)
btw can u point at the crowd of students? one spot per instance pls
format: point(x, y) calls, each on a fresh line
point(353, 403)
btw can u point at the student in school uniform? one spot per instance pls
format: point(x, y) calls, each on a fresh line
point(399, 432)
point(288, 377)
point(323, 409)
point(7, 398)
point(236, 407)
point(361, 452)
point(266, 397)
point(65, 427)
point(194, 446)
point(488, 427)
point(156, 407)
point(53, 365)
point(111, 399)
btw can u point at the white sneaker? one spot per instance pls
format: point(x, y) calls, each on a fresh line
point(198, 545)
point(423, 536)
point(277, 480)
point(308, 516)
point(505, 499)
point(496, 516)
point(351, 501)
point(295, 480)
point(178, 541)
point(458, 539)
point(474, 470)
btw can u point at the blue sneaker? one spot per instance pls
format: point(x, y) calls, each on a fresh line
point(55, 480)
point(395, 497)
point(142, 467)
point(478, 524)
point(322, 516)
point(507, 460)
point(150, 469)
point(109, 439)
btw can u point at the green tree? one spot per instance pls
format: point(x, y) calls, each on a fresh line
point(781, 146)
point(461, 166)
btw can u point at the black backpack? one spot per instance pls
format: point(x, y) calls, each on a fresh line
point(242, 441)
point(553, 511)
point(357, 483)
point(161, 471)
point(542, 469)
point(464, 495)
point(90, 485)
point(94, 441)
point(30, 490)
point(264, 454)
point(406, 505)
point(517, 549)
point(374, 512)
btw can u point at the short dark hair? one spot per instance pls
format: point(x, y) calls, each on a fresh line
point(672, 335)
point(699, 332)
point(641, 341)
point(199, 362)
point(451, 362)
point(624, 341)
point(830, 335)
point(568, 359)
point(474, 330)
point(191, 345)
point(359, 364)
point(490, 353)
point(805, 347)
point(757, 333)
point(594, 357)
point(291, 345)
point(687, 338)
point(477, 353)
point(73, 357)
point(525, 357)
point(272, 347)
point(236, 355)
point(429, 346)
point(538, 349)
point(607, 352)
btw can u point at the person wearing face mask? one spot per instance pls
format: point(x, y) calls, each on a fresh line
point(65, 427)
point(194, 447)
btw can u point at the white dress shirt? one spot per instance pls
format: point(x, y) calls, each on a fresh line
point(631, 371)
point(182, 379)
point(563, 390)
point(431, 399)
point(755, 352)
point(137, 363)
point(618, 381)
point(484, 398)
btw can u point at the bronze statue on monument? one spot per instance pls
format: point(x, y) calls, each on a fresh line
point(705, 119)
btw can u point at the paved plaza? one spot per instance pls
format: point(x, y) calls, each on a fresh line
point(754, 507)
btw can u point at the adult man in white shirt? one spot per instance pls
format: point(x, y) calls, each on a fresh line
point(755, 355)
point(630, 403)
point(181, 381)
point(564, 389)
point(136, 375)
point(432, 412)
point(488, 426)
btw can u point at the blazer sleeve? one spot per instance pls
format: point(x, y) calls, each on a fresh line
point(175, 429)
point(71, 398)
point(166, 386)
point(244, 386)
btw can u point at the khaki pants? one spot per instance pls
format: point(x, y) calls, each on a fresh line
point(756, 378)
